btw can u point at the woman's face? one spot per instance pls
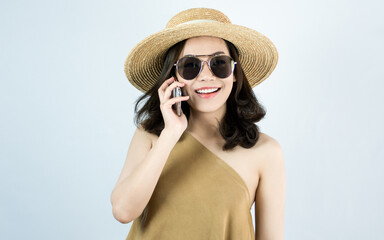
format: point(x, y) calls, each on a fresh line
point(201, 100)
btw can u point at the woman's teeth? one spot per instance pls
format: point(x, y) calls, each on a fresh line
point(211, 90)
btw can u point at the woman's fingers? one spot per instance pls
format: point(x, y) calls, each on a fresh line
point(169, 115)
point(166, 88)
point(171, 120)
point(168, 91)
point(167, 101)
point(172, 101)
point(165, 84)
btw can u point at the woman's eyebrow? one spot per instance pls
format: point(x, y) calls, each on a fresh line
point(218, 53)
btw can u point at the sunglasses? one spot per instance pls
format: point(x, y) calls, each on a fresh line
point(189, 67)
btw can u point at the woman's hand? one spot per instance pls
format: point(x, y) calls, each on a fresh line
point(172, 122)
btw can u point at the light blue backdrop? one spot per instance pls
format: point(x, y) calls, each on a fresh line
point(67, 111)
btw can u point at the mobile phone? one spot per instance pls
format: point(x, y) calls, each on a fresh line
point(176, 92)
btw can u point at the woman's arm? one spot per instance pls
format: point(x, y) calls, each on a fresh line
point(140, 174)
point(144, 162)
point(270, 194)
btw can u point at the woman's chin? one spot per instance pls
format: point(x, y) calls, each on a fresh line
point(208, 109)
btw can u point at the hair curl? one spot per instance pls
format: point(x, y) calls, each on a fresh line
point(243, 109)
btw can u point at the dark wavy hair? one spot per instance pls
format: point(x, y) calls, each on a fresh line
point(243, 109)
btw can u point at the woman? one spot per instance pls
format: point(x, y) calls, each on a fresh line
point(196, 176)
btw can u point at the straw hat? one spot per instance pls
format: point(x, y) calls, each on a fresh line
point(257, 54)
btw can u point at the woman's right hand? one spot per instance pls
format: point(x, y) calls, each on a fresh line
point(172, 122)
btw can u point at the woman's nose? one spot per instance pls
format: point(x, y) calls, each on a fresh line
point(205, 73)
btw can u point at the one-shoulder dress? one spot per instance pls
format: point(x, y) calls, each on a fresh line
point(197, 197)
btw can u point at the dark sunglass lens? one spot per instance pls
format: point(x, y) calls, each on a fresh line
point(222, 66)
point(189, 67)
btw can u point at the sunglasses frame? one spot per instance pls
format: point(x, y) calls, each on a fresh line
point(208, 62)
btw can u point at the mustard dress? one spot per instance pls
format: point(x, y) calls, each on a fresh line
point(198, 197)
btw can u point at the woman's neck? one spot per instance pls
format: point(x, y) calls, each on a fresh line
point(205, 125)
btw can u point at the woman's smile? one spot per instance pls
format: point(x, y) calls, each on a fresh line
point(207, 92)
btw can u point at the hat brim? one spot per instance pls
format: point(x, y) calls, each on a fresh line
point(257, 54)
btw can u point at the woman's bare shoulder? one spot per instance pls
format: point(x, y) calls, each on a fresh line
point(144, 134)
point(271, 149)
point(264, 147)
point(267, 140)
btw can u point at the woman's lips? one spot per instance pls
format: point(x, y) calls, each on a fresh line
point(207, 95)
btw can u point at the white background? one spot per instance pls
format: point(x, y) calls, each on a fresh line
point(67, 111)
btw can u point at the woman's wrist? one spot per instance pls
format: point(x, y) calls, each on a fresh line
point(170, 135)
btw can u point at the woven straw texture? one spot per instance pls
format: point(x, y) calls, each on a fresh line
point(257, 54)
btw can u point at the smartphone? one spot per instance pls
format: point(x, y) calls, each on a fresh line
point(176, 92)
